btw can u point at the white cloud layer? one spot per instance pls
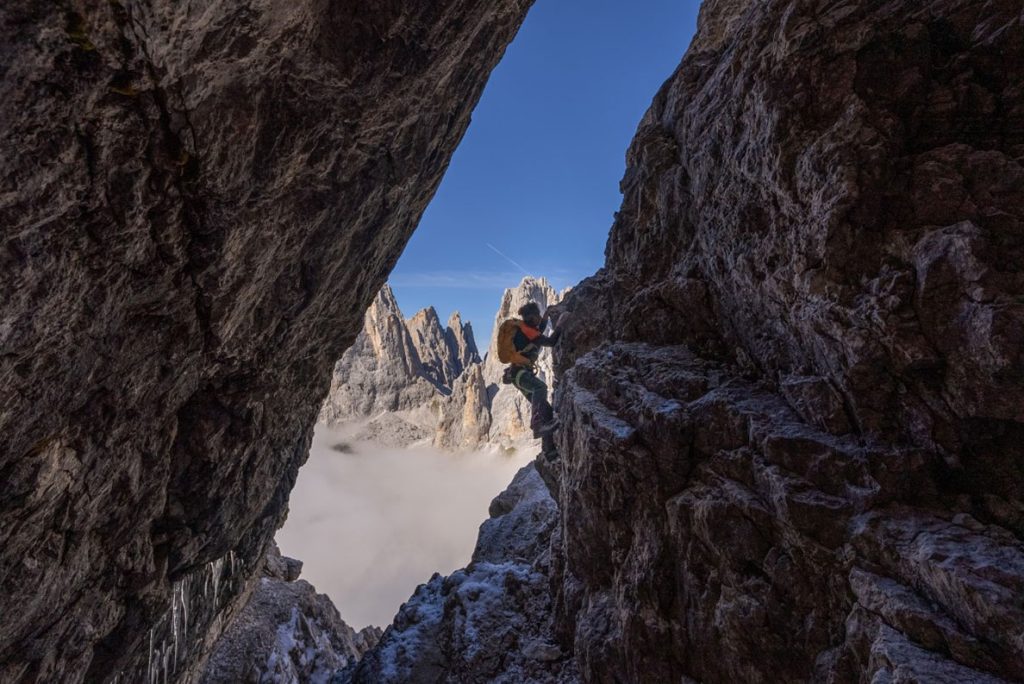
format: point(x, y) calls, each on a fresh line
point(372, 525)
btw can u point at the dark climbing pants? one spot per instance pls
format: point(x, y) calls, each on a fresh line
point(534, 389)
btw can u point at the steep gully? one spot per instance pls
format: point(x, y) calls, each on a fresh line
point(792, 399)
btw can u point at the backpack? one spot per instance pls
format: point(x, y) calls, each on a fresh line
point(506, 340)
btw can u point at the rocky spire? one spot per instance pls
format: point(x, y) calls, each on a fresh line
point(381, 371)
point(431, 344)
point(402, 365)
point(461, 344)
point(466, 418)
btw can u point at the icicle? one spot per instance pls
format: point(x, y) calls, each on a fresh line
point(218, 566)
point(174, 620)
point(186, 599)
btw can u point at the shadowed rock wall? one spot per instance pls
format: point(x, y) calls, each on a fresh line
point(198, 202)
point(793, 400)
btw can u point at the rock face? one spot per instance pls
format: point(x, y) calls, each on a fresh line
point(413, 377)
point(510, 412)
point(439, 359)
point(797, 454)
point(286, 633)
point(492, 621)
point(466, 417)
point(199, 203)
point(461, 343)
point(382, 371)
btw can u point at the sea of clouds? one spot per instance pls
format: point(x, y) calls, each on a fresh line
point(370, 523)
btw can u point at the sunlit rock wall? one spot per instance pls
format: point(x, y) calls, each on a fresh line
point(199, 201)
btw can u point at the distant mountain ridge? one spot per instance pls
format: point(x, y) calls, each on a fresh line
point(414, 379)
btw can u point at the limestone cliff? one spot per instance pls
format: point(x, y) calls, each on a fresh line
point(461, 343)
point(438, 358)
point(793, 427)
point(382, 371)
point(465, 419)
point(423, 379)
point(199, 201)
point(412, 377)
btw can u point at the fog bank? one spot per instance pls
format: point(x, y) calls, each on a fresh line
point(372, 524)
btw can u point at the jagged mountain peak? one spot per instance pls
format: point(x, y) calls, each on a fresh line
point(425, 316)
point(385, 299)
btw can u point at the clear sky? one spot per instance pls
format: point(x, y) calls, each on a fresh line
point(536, 177)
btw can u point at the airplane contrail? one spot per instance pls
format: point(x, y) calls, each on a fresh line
point(502, 255)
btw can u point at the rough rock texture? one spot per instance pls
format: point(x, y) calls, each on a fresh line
point(285, 633)
point(510, 412)
point(413, 376)
point(466, 417)
point(381, 371)
point(793, 427)
point(440, 360)
point(492, 621)
point(199, 202)
point(461, 343)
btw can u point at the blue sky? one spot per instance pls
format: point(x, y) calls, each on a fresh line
point(536, 176)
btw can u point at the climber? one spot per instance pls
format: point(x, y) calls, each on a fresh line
point(519, 343)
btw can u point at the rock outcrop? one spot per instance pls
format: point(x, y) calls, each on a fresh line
point(510, 412)
point(792, 399)
point(490, 622)
point(439, 360)
point(286, 633)
point(199, 202)
point(466, 417)
point(461, 343)
point(382, 371)
point(413, 378)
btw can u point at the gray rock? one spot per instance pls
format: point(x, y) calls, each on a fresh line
point(390, 430)
point(381, 372)
point(409, 375)
point(791, 401)
point(439, 360)
point(199, 203)
point(461, 343)
point(490, 622)
point(285, 633)
point(465, 417)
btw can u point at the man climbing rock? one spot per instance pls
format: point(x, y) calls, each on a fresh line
point(519, 344)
